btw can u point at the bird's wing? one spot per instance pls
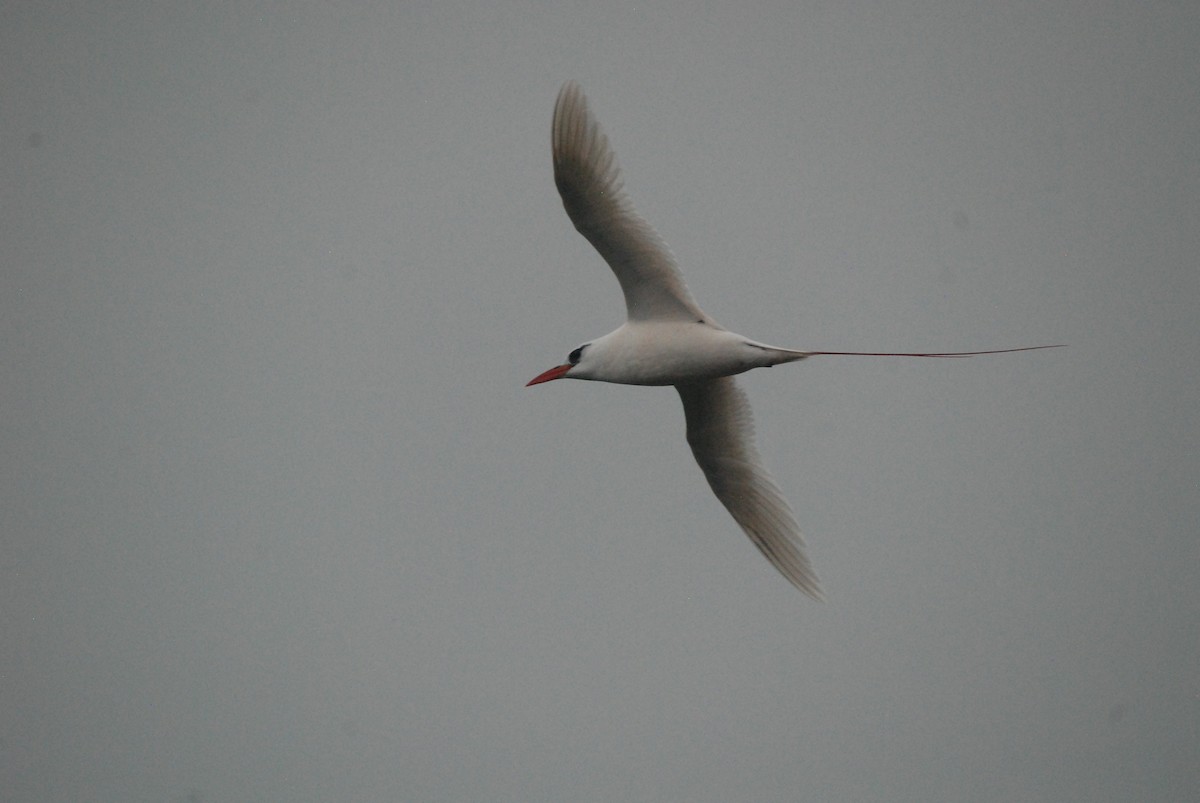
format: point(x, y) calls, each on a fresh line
point(589, 181)
point(720, 431)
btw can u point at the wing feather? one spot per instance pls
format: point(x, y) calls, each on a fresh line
point(589, 181)
point(720, 430)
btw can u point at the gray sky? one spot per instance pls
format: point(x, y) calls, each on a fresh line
point(281, 522)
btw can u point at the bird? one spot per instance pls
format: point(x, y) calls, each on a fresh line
point(667, 339)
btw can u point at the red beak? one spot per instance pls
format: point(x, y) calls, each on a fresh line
point(557, 372)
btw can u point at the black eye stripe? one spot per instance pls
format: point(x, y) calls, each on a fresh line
point(575, 355)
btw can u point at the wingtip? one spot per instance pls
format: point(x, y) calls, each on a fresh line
point(814, 591)
point(801, 576)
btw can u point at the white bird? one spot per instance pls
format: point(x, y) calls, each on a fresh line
point(668, 340)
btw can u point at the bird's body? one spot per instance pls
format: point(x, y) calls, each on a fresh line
point(671, 352)
point(668, 340)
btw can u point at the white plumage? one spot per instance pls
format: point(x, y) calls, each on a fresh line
point(668, 340)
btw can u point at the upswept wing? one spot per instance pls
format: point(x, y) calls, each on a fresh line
point(720, 430)
point(589, 181)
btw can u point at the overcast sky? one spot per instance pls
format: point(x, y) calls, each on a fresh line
point(280, 520)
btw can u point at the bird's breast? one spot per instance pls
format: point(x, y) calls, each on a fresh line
point(671, 353)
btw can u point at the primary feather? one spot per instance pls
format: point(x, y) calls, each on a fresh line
point(589, 181)
point(720, 430)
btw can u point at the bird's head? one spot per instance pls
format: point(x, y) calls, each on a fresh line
point(574, 367)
